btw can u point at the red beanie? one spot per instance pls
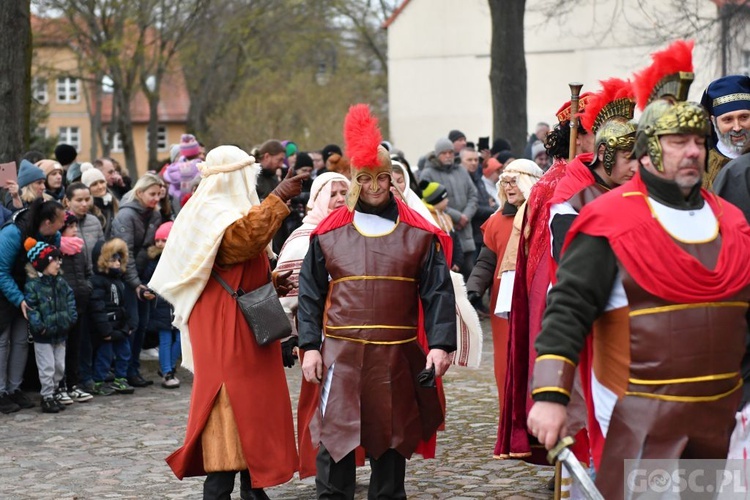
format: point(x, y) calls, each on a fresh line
point(162, 233)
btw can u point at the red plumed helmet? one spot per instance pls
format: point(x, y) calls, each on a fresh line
point(670, 73)
point(367, 157)
point(362, 136)
point(616, 98)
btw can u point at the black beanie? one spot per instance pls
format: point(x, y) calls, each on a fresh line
point(65, 154)
point(455, 135)
point(499, 145)
point(303, 160)
point(329, 150)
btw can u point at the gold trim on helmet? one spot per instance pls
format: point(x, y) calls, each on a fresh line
point(676, 85)
point(665, 117)
point(615, 135)
point(372, 171)
point(614, 129)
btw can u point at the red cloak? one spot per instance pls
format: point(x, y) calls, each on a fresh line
point(662, 267)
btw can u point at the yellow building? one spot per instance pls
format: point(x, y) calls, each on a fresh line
point(61, 83)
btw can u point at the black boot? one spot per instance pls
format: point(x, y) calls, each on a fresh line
point(247, 492)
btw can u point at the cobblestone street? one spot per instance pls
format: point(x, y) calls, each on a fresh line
point(115, 447)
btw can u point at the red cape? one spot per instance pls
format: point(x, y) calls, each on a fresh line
point(662, 267)
point(577, 177)
point(341, 217)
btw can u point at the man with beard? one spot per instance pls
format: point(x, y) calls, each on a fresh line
point(657, 269)
point(728, 102)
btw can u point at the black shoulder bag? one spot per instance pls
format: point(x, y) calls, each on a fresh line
point(262, 310)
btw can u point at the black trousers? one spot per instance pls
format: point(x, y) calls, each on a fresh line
point(219, 485)
point(337, 480)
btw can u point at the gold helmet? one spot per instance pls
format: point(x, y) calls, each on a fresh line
point(366, 155)
point(661, 92)
point(608, 114)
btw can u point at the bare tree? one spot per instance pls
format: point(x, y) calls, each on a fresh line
point(168, 26)
point(508, 72)
point(15, 85)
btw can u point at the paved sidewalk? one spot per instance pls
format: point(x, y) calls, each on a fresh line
point(114, 448)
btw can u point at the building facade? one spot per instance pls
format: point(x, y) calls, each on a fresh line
point(439, 58)
point(61, 83)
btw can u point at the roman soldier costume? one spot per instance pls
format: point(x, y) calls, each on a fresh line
point(665, 289)
point(374, 281)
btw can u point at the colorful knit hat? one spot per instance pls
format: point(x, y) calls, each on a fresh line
point(40, 254)
point(433, 192)
point(189, 146)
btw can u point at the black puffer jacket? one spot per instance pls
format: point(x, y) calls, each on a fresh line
point(109, 318)
point(77, 273)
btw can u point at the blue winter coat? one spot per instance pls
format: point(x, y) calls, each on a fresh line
point(13, 258)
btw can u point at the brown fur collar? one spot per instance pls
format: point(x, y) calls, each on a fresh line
point(111, 247)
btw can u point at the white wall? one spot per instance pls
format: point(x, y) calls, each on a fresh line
point(439, 61)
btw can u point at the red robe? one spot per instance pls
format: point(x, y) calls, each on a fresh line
point(496, 231)
point(529, 299)
point(225, 354)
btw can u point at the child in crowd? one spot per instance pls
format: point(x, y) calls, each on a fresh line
point(76, 272)
point(162, 315)
point(51, 313)
point(435, 198)
point(109, 318)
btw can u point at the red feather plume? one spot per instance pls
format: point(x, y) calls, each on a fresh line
point(675, 58)
point(362, 136)
point(612, 89)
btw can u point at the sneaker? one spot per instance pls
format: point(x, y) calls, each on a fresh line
point(64, 398)
point(139, 381)
point(121, 386)
point(87, 386)
point(58, 401)
point(110, 376)
point(103, 389)
point(7, 405)
point(21, 400)
point(152, 353)
point(79, 395)
point(49, 405)
point(170, 381)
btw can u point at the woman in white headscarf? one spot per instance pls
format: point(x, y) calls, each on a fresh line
point(328, 193)
point(240, 414)
point(515, 182)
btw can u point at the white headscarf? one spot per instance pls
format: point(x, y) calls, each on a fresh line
point(526, 173)
point(225, 195)
point(410, 197)
point(320, 196)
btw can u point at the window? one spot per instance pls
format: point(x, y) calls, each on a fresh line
point(67, 90)
point(116, 143)
point(161, 138)
point(39, 90)
point(41, 132)
point(70, 135)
